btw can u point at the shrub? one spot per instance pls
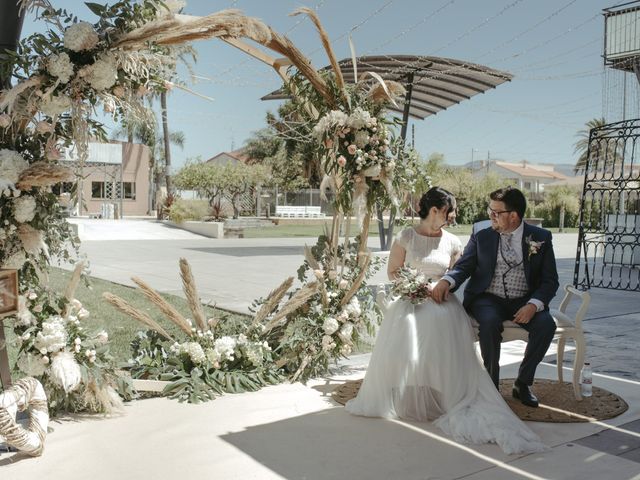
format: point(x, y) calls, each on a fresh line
point(182, 210)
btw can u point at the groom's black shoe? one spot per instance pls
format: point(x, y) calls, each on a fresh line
point(523, 393)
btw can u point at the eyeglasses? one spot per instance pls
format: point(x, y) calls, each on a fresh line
point(496, 213)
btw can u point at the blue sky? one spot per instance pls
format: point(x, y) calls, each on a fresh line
point(552, 47)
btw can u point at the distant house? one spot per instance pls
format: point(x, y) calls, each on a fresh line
point(225, 158)
point(524, 175)
point(116, 175)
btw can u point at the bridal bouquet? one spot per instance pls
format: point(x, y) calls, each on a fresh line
point(411, 285)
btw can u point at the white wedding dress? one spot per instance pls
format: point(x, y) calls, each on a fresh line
point(424, 365)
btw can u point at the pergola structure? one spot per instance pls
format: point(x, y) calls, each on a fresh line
point(432, 84)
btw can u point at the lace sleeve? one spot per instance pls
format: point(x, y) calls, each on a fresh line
point(456, 250)
point(404, 238)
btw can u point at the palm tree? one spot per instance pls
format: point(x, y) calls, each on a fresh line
point(581, 147)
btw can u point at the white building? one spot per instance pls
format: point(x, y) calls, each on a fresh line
point(523, 175)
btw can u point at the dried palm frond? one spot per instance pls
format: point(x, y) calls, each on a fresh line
point(357, 282)
point(295, 302)
point(191, 292)
point(308, 255)
point(272, 301)
point(9, 97)
point(165, 307)
point(378, 94)
point(134, 313)
point(327, 46)
point(72, 286)
point(178, 29)
point(284, 46)
point(43, 174)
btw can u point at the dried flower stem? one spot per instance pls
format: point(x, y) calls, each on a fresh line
point(134, 313)
point(272, 301)
point(165, 307)
point(191, 292)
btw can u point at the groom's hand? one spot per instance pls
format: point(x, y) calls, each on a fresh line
point(440, 292)
point(525, 314)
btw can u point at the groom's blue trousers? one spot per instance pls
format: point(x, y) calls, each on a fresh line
point(490, 311)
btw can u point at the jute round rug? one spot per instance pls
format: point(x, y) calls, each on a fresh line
point(557, 403)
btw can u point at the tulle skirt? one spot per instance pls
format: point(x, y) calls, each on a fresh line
point(425, 367)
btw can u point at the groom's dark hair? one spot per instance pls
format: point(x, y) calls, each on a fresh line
point(512, 198)
point(436, 197)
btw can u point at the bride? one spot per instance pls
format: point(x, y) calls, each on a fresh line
point(424, 365)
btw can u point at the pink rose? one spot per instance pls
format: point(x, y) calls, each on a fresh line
point(342, 161)
point(352, 149)
point(5, 120)
point(44, 127)
point(328, 143)
point(118, 91)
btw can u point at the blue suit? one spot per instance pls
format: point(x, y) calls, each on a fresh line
point(478, 263)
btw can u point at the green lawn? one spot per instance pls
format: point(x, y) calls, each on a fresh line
point(121, 328)
point(291, 230)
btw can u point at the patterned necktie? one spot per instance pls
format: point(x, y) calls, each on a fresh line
point(508, 252)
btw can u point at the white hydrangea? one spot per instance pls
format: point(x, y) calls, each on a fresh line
point(55, 105)
point(24, 208)
point(53, 336)
point(195, 352)
point(80, 36)
point(360, 118)
point(12, 164)
point(213, 356)
point(15, 261)
point(102, 74)
point(60, 66)
point(225, 346)
point(31, 365)
point(353, 307)
point(333, 119)
point(346, 332)
point(330, 326)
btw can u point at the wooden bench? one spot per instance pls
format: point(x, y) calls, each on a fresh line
point(567, 328)
point(289, 211)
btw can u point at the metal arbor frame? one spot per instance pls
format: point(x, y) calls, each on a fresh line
point(608, 252)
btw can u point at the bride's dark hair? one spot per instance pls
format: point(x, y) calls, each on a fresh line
point(436, 197)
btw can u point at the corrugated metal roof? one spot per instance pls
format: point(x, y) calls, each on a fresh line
point(438, 83)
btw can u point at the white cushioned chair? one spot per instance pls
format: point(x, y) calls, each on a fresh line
point(567, 328)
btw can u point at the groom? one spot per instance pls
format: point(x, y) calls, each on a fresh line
point(513, 276)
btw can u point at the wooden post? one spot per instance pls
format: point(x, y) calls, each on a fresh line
point(5, 371)
point(8, 306)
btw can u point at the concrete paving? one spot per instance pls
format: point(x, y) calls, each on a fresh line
point(296, 431)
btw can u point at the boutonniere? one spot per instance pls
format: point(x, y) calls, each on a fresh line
point(534, 246)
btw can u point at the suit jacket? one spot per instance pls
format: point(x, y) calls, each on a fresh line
point(478, 263)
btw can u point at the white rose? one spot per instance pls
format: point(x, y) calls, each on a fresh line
point(343, 284)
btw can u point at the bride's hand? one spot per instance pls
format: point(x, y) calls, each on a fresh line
point(440, 292)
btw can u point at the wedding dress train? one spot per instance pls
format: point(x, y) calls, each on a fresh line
point(424, 365)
